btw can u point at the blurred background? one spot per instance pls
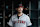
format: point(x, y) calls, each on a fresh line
point(31, 8)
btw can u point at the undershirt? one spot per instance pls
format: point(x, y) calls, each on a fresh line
point(18, 16)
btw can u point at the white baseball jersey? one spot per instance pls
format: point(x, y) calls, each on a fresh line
point(23, 21)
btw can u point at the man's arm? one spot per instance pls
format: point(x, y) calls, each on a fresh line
point(10, 23)
point(29, 26)
point(28, 21)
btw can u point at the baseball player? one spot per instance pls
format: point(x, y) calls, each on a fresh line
point(20, 19)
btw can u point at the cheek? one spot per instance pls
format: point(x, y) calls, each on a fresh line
point(22, 9)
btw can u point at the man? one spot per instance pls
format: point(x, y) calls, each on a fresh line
point(20, 19)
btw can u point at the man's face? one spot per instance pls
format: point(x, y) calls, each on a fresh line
point(20, 9)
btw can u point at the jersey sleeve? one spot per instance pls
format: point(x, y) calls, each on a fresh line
point(10, 23)
point(28, 22)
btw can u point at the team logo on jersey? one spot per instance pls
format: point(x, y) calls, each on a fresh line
point(19, 21)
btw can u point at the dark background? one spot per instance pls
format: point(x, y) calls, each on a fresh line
point(8, 7)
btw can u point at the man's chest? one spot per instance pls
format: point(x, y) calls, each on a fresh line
point(20, 20)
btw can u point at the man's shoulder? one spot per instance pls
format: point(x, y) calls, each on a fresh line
point(26, 15)
point(14, 15)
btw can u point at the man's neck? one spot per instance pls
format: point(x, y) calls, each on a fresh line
point(19, 14)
